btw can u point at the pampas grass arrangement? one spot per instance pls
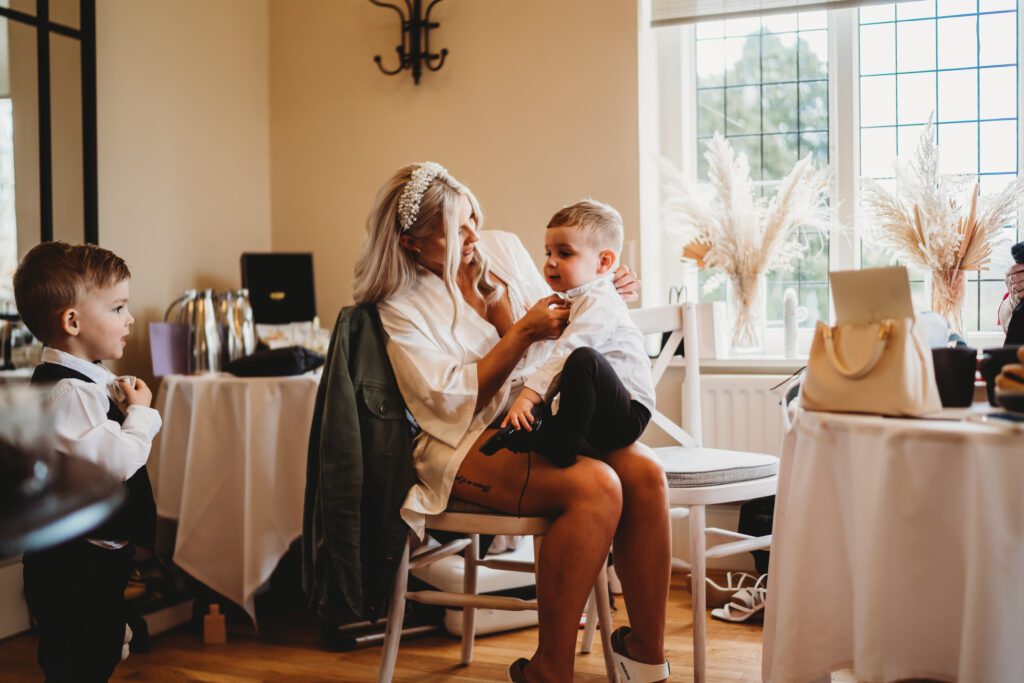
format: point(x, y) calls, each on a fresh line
point(938, 222)
point(727, 224)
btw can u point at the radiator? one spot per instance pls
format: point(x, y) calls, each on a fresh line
point(741, 412)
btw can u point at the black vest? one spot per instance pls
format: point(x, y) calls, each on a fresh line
point(136, 520)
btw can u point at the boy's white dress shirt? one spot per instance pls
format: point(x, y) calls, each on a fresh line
point(599, 318)
point(81, 424)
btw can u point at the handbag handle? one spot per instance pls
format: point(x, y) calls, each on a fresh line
point(884, 330)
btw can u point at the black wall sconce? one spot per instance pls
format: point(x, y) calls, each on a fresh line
point(414, 52)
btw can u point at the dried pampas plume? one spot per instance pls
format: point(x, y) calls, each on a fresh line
point(726, 224)
point(939, 222)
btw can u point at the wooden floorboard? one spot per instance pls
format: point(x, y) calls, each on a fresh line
point(290, 648)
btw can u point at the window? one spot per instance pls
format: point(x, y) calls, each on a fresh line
point(854, 87)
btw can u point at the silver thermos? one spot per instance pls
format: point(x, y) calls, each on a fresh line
point(234, 314)
point(197, 310)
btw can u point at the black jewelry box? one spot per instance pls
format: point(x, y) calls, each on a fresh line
point(280, 287)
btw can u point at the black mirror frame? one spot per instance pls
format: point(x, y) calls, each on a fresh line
point(86, 35)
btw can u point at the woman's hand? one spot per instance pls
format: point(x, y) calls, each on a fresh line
point(627, 284)
point(1015, 282)
point(546, 319)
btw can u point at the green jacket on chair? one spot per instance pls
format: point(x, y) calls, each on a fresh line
point(359, 469)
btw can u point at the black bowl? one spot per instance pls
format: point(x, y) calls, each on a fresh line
point(991, 364)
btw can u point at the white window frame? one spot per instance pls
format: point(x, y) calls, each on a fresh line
point(675, 101)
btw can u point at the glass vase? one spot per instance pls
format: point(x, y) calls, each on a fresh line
point(948, 297)
point(748, 311)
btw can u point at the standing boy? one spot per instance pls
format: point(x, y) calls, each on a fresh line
point(74, 298)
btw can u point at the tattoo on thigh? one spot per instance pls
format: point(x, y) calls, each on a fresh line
point(486, 488)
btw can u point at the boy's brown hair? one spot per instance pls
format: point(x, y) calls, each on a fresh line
point(601, 223)
point(55, 276)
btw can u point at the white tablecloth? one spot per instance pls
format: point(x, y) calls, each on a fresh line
point(898, 551)
point(230, 467)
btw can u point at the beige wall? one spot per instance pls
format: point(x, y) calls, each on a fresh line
point(535, 108)
point(183, 131)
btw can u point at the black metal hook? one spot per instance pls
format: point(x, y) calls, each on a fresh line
point(414, 51)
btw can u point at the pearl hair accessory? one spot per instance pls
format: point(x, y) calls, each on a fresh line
point(412, 195)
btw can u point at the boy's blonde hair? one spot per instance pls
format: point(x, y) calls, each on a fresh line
point(55, 276)
point(601, 223)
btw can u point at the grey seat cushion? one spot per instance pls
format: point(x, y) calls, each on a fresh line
point(693, 467)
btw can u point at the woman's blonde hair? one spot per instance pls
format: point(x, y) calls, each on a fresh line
point(385, 268)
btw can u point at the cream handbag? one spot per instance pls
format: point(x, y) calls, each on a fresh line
point(882, 368)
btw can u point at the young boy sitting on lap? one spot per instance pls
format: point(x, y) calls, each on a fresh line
point(598, 368)
point(74, 298)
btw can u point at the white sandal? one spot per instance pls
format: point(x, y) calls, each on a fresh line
point(717, 595)
point(746, 604)
point(630, 670)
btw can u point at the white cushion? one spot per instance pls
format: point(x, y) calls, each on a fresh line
point(693, 467)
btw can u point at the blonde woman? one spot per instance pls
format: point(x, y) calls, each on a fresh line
point(463, 309)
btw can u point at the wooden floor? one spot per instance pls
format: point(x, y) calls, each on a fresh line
point(290, 648)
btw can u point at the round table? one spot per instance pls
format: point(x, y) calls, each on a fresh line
point(897, 551)
point(230, 466)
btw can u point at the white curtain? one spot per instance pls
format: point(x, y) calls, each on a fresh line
point(668, 12)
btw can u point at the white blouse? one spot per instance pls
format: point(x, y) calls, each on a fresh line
point(437, 372)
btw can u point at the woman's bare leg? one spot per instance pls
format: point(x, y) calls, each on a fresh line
point(584, 501)
point(643, 549)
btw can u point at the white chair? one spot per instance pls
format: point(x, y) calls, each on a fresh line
point(698, 476)
point(461, 517)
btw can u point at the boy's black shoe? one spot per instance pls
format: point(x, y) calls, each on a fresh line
point(517, 440)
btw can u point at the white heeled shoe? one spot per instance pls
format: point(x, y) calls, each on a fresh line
point(630, 670)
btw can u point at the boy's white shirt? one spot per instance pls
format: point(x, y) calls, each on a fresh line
point(599, 318)
point(81, 424)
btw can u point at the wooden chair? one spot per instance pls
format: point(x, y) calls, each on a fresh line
point(465, 518)
point(698, 476)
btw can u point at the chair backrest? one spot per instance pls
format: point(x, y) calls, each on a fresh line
point(679, 321)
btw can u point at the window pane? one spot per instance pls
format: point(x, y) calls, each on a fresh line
point(743, 26)
point(779, 23)
point(778, 58)
point(877, 152)
point(915, 95)
point(996, 5)
point(743, 60)
point(814, 105)
point(710, 112)
point(710, 62)
point(959, 40)
point(947, 7)
point(743, 106)
point(878, 49)
point(814, 55)
point(998, 38)
point(907, 140)
point(999, 92)
point(813, 20)
point(872, 13)
point(998, 146)
point(710, 29)
point(915, 45)
point(915, 10)
point(958, 99)
point(878, 101)
point(815, 144)
point(958, 148)
point(779, 105)
point(780, 155)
